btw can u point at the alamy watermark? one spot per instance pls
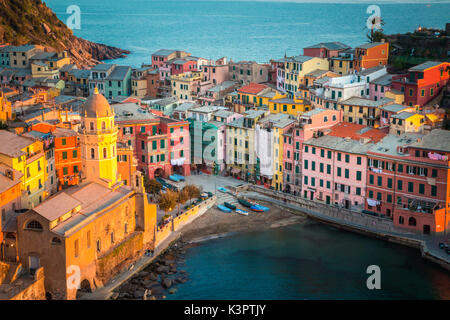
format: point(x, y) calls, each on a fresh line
point(74, 20)
point(374, 280)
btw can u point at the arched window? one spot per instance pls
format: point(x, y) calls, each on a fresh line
point(92, 153)
point(91, 126)
point(34, 225)
point(56, 240)
point(412, 221)
point(99, 245)
point(401, 220)
point(112, 237)
point(103, 125)
point(104, 153)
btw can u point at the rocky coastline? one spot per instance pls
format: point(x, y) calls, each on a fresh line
point(158, 279)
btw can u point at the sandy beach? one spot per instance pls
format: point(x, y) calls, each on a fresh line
point(215, 223)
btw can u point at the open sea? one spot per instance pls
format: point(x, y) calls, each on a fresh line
point(241, 30)
point(305, 261)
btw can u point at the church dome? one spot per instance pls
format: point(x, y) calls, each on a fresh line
point(97, 106)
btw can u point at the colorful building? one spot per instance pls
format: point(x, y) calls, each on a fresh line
point(118, 82)
point(423, 83)
point(403, 122)
point(371, 55)
point(246, 72)
point(325, 49)
point(407, 181)
point(26, 156)
point(334, 165)
point(363, 111)
point(161, 146)
point(310, 124)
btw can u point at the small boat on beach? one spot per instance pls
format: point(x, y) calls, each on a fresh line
point(242, 212)
point(245, 203)
point(223, 208)
point(174, 178)
point(221, 189)
point(256, 208)
point(229, 205)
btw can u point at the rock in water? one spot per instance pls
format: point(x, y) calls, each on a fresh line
point(166, 283)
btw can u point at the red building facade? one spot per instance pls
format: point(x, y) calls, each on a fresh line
point(408, 181)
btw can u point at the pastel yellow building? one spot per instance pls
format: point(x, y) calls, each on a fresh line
point(294, 106)
point(26, 156)
point(297, 67)
point(98, 141)
point(404, 122)
point(184, 85)
point(363, 111)
point(240, 145)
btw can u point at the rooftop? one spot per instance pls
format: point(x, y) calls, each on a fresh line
point(394, 107)
point(425, 65)
point(403, 115)
point(11, 144)
point(356, 131)
point(252, 88)
point(369, 45)
point(102, 67)
point(119, 73)
point(340, 144)
point(91, 197)
point(163, 52)
point(131, 112)
point(329, 45)
point(357, 101)
point(438, 140)
point(388, 145)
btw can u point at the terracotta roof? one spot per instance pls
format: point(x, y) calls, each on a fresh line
point(97, 106)
point(356, 131)
point(252, 88)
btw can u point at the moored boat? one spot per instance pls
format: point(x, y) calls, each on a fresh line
point(223, 189)
point(229, 205)
point(245, 203)
point(243, 212)
point(256, 208)
point(223, 208)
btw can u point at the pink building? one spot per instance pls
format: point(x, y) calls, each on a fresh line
point(310, 124)
point(325, 49)
point(183, 65)
point(216, 73)
point(334, 165)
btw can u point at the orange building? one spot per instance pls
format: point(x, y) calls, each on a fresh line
point(67, 153)
point(6, 113)
point(10, 194)
point(67, 157)
point(126, 163)
point(371, 55)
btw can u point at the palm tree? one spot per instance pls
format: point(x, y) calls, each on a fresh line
point(376, 35)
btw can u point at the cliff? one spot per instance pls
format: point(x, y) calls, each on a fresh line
point(31, 21)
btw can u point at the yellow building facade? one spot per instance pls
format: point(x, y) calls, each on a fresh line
point(295, 106)
point(297, 67)
point(26, 156)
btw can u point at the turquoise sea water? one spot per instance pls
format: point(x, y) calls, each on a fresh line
point(237, 29)
point(307, 261)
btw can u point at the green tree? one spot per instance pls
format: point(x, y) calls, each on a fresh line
point(183, 196)
point(152, 186)
point(192, 191)
point(167, 201)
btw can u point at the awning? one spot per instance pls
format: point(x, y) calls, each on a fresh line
point(235, 170)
